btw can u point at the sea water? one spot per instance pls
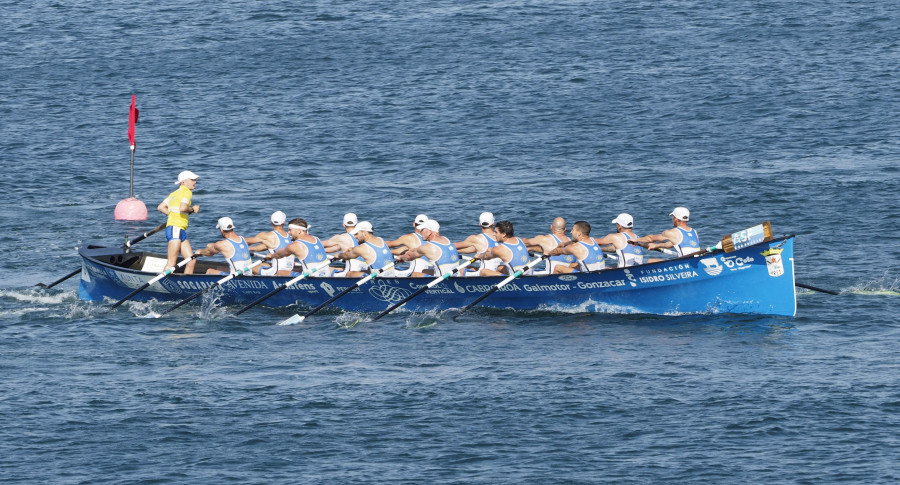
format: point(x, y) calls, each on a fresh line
point(740, 111)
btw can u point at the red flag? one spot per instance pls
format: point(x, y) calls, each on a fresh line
point(132, 119)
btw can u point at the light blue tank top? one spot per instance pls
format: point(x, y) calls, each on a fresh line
point(383, 256)
point(690, 242)
point(315, 252)
point(241, 258)
point(631, 254)
point(519, 254)
point(449, 257)
point(563, 258)
point(594, 260)
point(287, 262)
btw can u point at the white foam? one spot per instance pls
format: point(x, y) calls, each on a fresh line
point(38, 296)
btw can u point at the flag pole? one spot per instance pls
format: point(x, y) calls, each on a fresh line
point(131, 209)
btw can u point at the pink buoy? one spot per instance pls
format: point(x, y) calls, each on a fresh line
point(131, 209)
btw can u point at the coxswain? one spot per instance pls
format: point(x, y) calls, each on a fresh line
point(234, 248)
point(371, 251)
point(438, 251)
point(272, 241)
point(177, 206)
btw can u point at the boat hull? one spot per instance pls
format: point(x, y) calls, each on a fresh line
point(758, 279)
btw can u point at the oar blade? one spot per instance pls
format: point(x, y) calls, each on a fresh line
point(293, 320)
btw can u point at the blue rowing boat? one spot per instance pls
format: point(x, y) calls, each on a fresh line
point(756, 278)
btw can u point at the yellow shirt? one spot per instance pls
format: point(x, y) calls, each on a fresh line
point(175, 199)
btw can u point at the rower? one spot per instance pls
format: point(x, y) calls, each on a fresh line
point(345, 241)
point(586, 251)
point(681, 237)
point(549, 242)
point(438, 251)
point(627, 254)
point(272, 241)
point(408, 242)
point(234, 248)
point(479, 243)
point(510, 250)
point(306, 248)
point(371, 250)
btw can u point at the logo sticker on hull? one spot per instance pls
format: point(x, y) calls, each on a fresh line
point(385, 292)
point(711, 266)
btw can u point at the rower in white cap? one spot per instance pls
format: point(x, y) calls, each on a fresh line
point(479, 243)
point(628, 254)
point(372, 250)
point(308, 249)
point(438, 251)
point(345, 241)
point(681, 237)
point(234, 248)
point(272, 241)
point(408, 242)
point(177, 206)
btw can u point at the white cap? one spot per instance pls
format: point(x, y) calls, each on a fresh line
point(624, 220)
point(225, 224)
point(431, 224)
point(362, 226)
point(278, 218)
point(681, 213)
point(420, 219)
point(186, 175)
point(486, 219)
point(350, 219)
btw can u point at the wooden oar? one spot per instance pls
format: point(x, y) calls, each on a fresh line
point(154, 280)
point(503, 283)
point(217, 283)
point(296, 318)
point(421, 290)
point(813, 288)
point(286, 285)
point(127, 245)
point(732, 242)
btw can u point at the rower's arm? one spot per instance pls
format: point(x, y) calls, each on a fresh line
point(211, 249)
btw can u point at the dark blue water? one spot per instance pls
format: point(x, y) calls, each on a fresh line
point(741, 111)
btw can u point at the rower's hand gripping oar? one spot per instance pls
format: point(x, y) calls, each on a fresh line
point(222, 281)
point(296, 318)
point(127, 245)
point(154, 280)
point(286, 285)
point(433, 283)
point(503, 283)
